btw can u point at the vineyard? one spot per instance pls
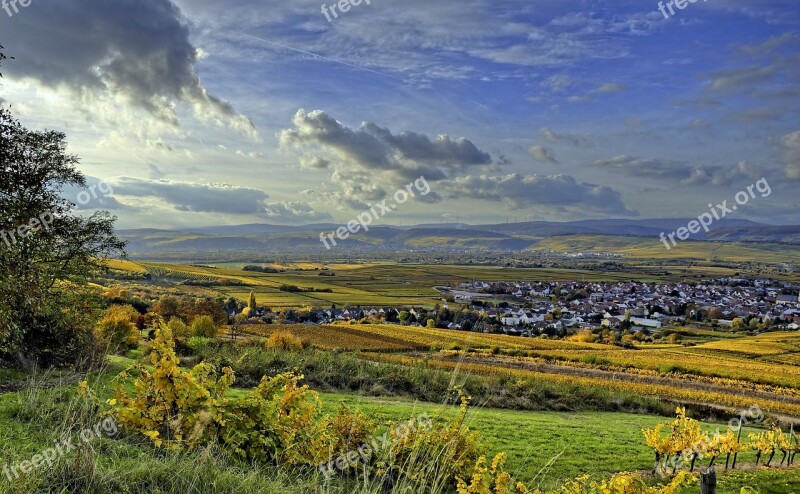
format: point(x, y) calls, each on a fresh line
point(365, 336)
point(712, 374)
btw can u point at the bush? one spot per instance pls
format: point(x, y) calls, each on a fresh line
point(280, 422)
point(198, 344)
point(283, 341)
point(204, 326)
point(178, 328)
point(117, 327)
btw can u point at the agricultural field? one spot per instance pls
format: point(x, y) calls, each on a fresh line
point(352, 336)
point(638, 247)
point(726, 373)
point(375, 284)
point(530, 382)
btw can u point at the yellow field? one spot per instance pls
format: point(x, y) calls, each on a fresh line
point(638, 247)
point(728, 373)
point(671, 392)
point(127, 266)
point(370, 336)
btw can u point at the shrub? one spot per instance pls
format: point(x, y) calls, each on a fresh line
point(172, 407)
point(178, 328)
point(280, 422)
point(198, 344)
point(117, 326)
point(204, 326)
point(283, 341)
point(585, 335)
point(627, 483)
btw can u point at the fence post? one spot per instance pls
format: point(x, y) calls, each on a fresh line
point(708, 482)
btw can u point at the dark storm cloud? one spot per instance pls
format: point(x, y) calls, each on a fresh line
point(133, 50)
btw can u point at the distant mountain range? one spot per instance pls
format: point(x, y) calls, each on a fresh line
point(505, 236)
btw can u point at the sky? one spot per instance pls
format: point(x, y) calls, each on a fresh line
point(199, 112)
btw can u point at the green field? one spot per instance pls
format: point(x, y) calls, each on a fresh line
point(543, 447)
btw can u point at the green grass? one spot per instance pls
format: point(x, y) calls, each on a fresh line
point(545, 447)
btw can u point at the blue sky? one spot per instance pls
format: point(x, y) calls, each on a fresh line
point(201, 112)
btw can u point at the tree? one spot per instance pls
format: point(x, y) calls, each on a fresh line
point(204, 326)
point(252, 303)
point(178, 328)
point(166, 307)
point(117, 327)
point(47, 252)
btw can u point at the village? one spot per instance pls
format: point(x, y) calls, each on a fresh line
point(559, 309)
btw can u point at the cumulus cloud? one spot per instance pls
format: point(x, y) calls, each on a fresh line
point(543, 154)
point(361, 157)
point(194, 197)
point(294, 212)
point(314, 162)
point(681, 171)
point(371, 147)
point(519, 192)
point(134, 51)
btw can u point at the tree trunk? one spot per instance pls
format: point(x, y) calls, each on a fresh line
point(727, 459)
point(758, 457)
point(770, 457)
point(694, 457)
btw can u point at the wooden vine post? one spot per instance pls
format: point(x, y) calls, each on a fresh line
point(708, 482)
